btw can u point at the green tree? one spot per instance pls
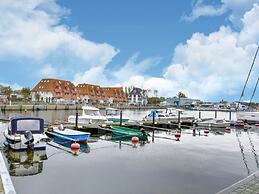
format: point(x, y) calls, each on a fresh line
point(181, 95)
point(7, 91)
point(25, 92)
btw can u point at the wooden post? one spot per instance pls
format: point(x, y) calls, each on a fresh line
point(199, 114)
point(179, 119)
point(216, 114)
point(153, 124)
point(76, 119)
point(230, 115)
point(120, 117)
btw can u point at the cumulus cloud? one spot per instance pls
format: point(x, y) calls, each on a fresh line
point(34, 30)
point(207, 65)
point(235, 8)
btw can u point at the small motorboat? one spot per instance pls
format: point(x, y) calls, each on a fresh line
point(113, 115)
point(91, 116)
point(127, 133)
point(25, 133)
point(68, 134)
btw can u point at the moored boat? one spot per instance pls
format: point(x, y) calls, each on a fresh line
point(248, 116)
point(214, 123)
point(26, 133)
point(113, 114)
point(128, 132)
point(90, 116)
point(69, 134)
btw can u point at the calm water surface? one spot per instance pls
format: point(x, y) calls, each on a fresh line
point(195, 165)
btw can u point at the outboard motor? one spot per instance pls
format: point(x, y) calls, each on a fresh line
point(61, 127)
point(29, 139)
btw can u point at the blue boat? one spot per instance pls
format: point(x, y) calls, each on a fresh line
point(70, 135)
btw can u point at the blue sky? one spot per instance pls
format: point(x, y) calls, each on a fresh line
point(203, 48)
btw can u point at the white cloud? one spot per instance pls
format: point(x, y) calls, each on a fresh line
point(210, 65)
point(33, 30)
point(235, 8)
point(134, 66)
point(48, 71)
point(95, 75)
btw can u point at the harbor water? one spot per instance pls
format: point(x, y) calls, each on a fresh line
point(197, 164)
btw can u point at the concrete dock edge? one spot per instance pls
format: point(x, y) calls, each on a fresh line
point(5, 176)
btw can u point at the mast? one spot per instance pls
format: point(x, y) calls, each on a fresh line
point(253, 92)
point(243, 91)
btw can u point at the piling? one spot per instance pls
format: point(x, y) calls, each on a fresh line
point(120, 117)
point(199, 114)
point(230, 115)
point(153, 124)
point(76, 119)
point(216, 114)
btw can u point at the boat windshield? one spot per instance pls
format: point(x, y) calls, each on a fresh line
point(32, 125)
point(92, 112)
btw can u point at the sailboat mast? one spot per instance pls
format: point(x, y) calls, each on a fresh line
point(243, 91)
point(253, 92)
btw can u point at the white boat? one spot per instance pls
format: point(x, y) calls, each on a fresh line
point(90, 115)
point(169, 114)
point(248, 116)
point(25, 133)
point(113, 114)
point(214, 123)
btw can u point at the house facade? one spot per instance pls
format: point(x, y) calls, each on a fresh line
point(54, 91)
point(138, 96)
point(104, 95)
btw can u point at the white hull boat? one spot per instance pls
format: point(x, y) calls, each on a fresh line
point(90, 116)
point(26, 133)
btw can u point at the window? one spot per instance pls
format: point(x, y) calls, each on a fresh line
point(32, 125)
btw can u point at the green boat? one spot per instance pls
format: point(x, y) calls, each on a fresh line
point(128, 133)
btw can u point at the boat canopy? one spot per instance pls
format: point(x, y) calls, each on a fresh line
point(18, 125)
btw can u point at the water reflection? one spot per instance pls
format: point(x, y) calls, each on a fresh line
point(25, 163)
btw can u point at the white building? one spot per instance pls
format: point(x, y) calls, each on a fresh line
point(138, 96)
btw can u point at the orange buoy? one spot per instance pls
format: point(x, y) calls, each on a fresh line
point(75, 147)
point(177, 136)
point(134, 140)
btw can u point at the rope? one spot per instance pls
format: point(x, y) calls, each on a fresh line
point(253, 92)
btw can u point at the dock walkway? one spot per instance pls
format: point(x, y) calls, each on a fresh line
point(5, 181)
point(249, 184)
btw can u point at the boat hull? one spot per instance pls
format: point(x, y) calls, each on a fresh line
point(127, 133)
point(250, 117)
point(74, 136)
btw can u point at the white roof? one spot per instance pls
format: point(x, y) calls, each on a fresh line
point(90, 108)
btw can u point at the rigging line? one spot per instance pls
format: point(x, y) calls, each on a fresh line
point(242, 94)
point(253, 92)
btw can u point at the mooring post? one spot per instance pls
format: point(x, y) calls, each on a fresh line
point(193, 128)
point(216, 114)
point(76, 119)
point(230, 115)
point(179, 119)
point(153, 124)
point(120, 117)
point(199, 114)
